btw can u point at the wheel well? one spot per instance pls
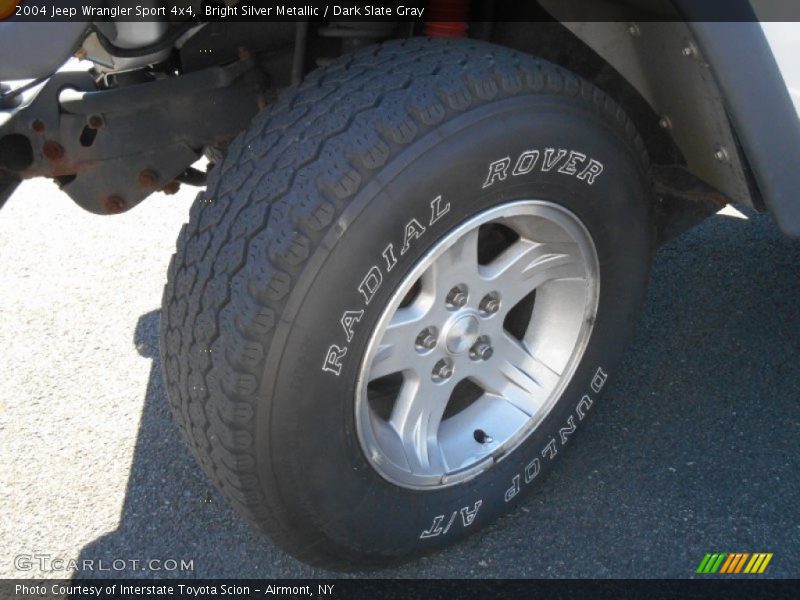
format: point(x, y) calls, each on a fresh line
point(538, 36)
point(555, 43)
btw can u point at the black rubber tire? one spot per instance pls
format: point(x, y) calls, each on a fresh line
point(299, 211)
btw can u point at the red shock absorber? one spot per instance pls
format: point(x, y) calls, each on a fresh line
point(447, 18)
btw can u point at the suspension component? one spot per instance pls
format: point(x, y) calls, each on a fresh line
point(447, 18)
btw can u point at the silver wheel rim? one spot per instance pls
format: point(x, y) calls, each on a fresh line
point(477, 344)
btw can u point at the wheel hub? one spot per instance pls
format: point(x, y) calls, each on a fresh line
point(477, 344)
point(461, 333)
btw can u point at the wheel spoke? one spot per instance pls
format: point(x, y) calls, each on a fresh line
point(396, 352)
point(458, 264)
point(515, 375)
point(526, 265)
point(416, 417)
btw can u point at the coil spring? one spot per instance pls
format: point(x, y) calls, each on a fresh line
point(447, 18)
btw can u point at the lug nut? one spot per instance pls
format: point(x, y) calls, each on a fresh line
point(457, 297)
point(482, 349)
point(442, 370)
point(426, 340)
point(490, 304)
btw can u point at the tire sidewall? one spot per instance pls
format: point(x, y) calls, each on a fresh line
point(307, 436)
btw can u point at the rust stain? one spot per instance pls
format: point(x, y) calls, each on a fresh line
point(171, 188)
point(53, 150)
point(147, 178)
point(114, 204)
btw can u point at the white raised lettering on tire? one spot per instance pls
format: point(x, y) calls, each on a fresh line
point(569, 162)
point(333, 360)
point(373, 279)
point(467, 513)
point(550, 450)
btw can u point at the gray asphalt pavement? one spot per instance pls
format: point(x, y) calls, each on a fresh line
point(694, 448)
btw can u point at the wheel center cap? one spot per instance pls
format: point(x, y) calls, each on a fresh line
point(461, 334)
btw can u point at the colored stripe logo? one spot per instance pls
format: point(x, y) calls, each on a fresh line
point(731, 563)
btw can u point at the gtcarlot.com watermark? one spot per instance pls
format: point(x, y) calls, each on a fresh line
point(48, 563)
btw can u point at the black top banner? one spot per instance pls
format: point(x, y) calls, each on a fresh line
point(398, 11)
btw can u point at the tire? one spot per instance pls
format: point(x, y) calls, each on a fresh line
point(282, 279)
